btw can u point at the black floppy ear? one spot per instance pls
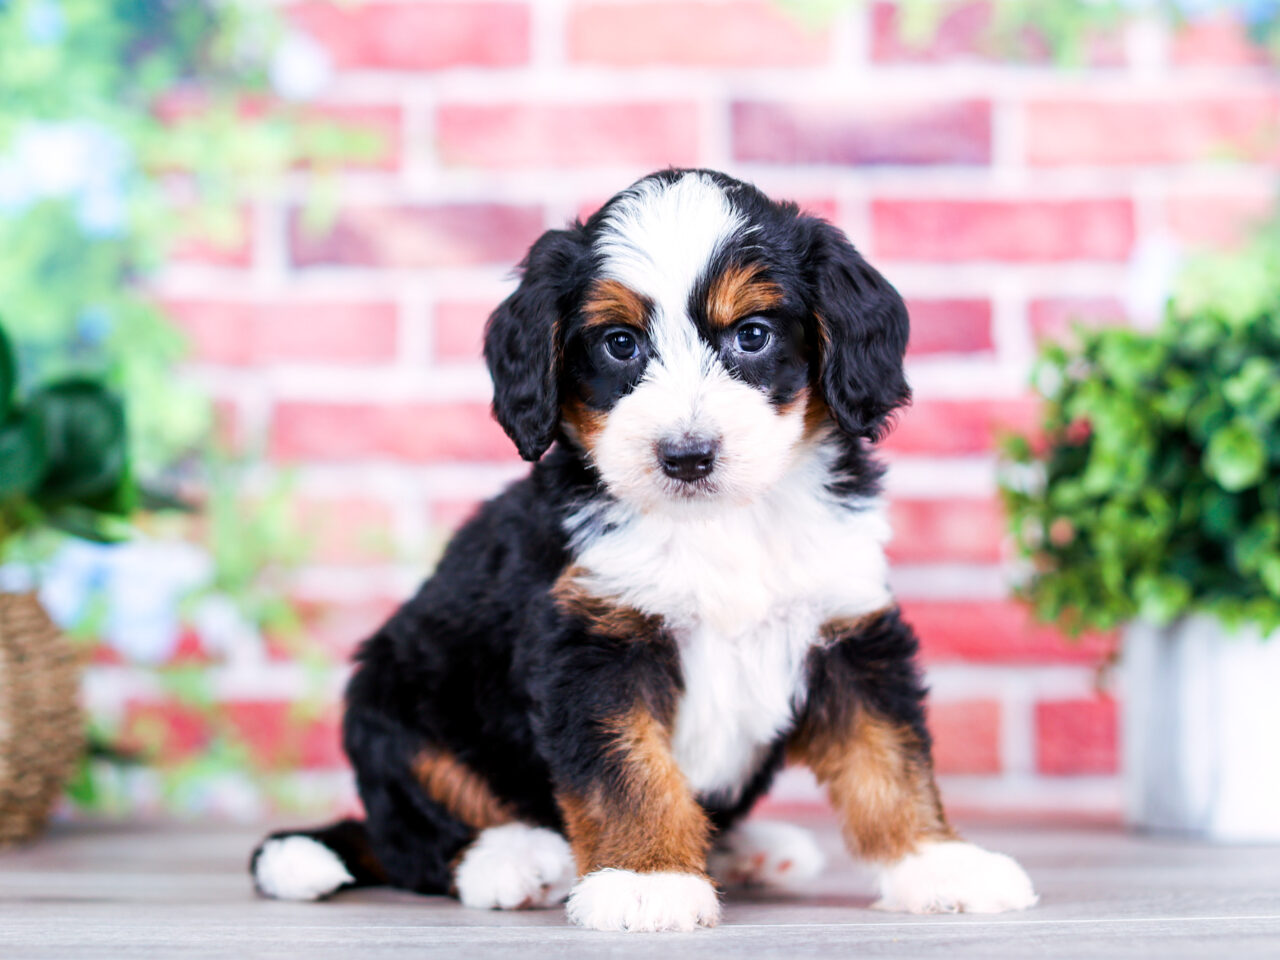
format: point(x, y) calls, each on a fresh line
point(523, 340)
point(862, 335)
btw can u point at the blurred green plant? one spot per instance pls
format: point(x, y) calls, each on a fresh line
point(64, 457)
point(130, 126)
point(1153, 488)
point(1067, 28)
point(128, 129)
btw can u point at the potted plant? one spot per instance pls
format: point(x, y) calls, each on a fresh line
point(1150, 502)
point(64, 464)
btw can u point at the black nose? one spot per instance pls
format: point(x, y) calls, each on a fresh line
point(689, 458)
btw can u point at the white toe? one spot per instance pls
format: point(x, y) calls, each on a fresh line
point(955, 877)
point(514, 867)
point(622, 900)
point(298, 868)
point(766, 853)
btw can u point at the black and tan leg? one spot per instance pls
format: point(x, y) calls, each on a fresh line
point(864, 736)
point(638, 834)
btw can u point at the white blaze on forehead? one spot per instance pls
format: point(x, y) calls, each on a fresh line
point(658, 239)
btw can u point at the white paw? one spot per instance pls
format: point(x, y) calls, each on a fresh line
point(766, 853)
point(513, 867)
point(298, 868)
point(955, 877)
point(622, 900)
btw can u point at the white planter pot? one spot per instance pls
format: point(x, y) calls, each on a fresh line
point(1201, 730)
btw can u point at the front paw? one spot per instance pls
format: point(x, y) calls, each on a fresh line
point(955, 877)
point(612, 899)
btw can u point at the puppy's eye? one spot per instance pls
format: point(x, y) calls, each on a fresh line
point(753, 337)
point(622, 346)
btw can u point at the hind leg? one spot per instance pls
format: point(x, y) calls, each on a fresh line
point(765, 853)
point(437, 827)
point(313, 864)
point(413, 837)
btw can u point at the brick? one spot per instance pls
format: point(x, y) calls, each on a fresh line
point(346, 529)
point(948, 530)
point(1217, 221)
point(333, 627)
point(694, 34)
point(1008, 230)
point(164, 732)
point(279, 734)
point(1152, 131)
point(228, 244)
point(1075, 737)
point(1219, 39)
point(1053, 318)
point(520, 135)
point(190, 649)
point(459, 329)
point(926, 132)
point(418, 36)
point(964, 31)
point(247, 333)
point(949, 326)
point(966, 736)
point(370, 136)
point(995, 631)
point(229, 427)
point(954, 427)
point(411, 433)
point(415, 236)
point(828, 208)
point(356, 136)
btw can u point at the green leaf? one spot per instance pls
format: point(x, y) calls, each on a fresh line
point(1270, 574)
point(89, 525)
point(1161, 599)
point(1236, 457)
point(22, 455)
point(8, 375)
point(84, 431)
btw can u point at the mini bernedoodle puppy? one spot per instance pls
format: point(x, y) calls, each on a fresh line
point(617, 654)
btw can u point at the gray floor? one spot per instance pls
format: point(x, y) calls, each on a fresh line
point(89, 893)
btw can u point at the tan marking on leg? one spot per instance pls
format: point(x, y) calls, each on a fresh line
point(646, 820)
point(880, 781)
point(460, 790)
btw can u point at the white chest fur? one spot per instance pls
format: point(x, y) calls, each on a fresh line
point(744, 591)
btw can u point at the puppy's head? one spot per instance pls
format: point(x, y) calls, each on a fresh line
point(692, 337)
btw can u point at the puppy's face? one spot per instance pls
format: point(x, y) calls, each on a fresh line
point(695, 334)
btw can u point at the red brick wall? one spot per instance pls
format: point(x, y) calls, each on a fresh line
point(1004, 196)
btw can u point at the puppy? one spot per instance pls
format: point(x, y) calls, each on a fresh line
point(617, 654)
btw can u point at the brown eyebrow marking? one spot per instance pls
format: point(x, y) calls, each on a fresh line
point(739, 292)
point(613, 302)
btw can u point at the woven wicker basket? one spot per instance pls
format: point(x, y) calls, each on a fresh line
point(41, 727)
